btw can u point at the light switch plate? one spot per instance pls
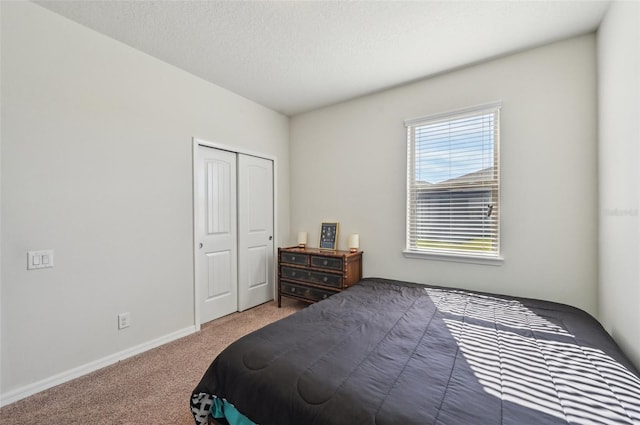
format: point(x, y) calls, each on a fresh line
point(39, 259)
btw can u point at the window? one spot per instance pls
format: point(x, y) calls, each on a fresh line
point(453, 184)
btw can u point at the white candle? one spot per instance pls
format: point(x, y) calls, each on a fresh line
point(302, 238)
point(353, 242)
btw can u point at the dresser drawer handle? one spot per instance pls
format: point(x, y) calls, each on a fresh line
point(325, 279)
point(293, 289)
point(293, 258)
point(324, 296)
point(326, 262)
point(293, 273)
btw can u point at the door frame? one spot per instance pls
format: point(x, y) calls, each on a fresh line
point(200, 142)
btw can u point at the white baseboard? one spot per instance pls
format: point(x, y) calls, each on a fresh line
point(36, 387)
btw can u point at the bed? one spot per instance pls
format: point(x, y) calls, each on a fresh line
point(386, 352)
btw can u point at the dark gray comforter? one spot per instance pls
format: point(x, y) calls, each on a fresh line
point(386, 352)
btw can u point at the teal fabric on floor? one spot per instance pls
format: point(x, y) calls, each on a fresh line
point(224, 409)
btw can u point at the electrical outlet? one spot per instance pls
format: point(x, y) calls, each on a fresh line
point(124, 320)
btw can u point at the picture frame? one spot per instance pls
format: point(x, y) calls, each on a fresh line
point(329, 236)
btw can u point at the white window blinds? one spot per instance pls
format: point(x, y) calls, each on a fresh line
point(453, 184)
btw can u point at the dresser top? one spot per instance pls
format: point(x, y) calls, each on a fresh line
point(317, 251)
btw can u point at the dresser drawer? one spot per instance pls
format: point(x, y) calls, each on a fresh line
point(326, 262)
point(310, 293)
point(293, 273)
point(294, 258)
point(325, 279)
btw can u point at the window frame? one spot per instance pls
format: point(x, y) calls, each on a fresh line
point(494, 258)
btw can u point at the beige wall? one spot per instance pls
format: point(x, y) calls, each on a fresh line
point(619, 162)
point(349, 161)
point(97, 165)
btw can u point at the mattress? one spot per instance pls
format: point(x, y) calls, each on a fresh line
point(387, 352)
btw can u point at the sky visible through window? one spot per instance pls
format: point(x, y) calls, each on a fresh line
point(454, 148)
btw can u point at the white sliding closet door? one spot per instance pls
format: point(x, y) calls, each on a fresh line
point(255, 231)
point(216, 230)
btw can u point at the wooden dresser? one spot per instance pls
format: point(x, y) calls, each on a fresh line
point(311, 275)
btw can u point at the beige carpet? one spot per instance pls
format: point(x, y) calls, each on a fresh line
point(150, 388)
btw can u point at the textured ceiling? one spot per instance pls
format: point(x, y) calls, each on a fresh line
point(295, 56)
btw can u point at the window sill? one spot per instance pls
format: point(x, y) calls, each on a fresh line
point(491, 261)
